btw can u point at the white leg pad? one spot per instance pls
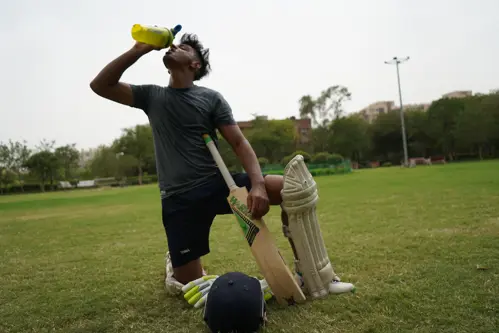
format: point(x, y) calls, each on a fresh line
point(300, 197)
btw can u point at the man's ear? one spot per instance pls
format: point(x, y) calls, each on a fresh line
point(196, 65)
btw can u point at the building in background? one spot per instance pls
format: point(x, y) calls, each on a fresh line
point(415, 106)
point(372, 111)
point(303, 128)
point(458, 94)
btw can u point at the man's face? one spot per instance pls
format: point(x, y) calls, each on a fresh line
point(180, 56)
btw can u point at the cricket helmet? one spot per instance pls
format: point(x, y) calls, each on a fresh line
point(235, 303)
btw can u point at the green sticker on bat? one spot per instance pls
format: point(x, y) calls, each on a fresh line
point(241, 212)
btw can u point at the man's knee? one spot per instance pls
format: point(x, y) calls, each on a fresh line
point(274, 185)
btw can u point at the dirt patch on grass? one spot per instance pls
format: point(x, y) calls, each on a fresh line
point(69, 213)
point(488, 227)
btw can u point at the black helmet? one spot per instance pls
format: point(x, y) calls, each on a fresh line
point(235, 303)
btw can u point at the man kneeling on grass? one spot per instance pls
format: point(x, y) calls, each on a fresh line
point(192, 189)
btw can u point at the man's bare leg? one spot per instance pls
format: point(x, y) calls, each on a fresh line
point(188, 272)
point(274, 185)
point(177, 277)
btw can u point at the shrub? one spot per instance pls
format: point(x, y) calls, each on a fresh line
point(387, 164)
point(318, 172)
point(321, 158)
point(275, 172)
point(306, 157)
point(135, 180)
point(336, 159)
point(263, 162)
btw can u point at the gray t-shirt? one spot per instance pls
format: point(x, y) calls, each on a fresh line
point(179, 118)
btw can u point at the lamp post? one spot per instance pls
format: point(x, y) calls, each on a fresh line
point(396, 61)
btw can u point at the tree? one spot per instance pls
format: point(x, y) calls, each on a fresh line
point(320, 139)
point(350, 137)
point(14, 156)
point(472, 127)
point(490, 106)
point(307, 107)
point(331, 101)
point(272, 139)
point(68, 157)
point(418, 139)
point(43, 164)
point(107, 163)
point(104, 163)
point(138, 143)
point(442, 120)
point(328, 106)
point(7, 178)
point(46, 145)
point(386, 137)
point(4, 155)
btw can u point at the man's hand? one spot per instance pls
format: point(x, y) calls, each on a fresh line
point(258, 201)
point(146, 48)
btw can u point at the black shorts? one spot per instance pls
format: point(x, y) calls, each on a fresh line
point(188, 218)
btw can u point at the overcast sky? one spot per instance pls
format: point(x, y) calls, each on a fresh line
point(265, 55)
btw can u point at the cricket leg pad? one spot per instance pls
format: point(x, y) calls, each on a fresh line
point(299, 200)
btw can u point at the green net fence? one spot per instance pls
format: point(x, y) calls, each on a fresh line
point(315, 169)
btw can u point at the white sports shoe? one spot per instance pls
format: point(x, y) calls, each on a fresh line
point(173, 287)
point(338, 287)
point(335, 287)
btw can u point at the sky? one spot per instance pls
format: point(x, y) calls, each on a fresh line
point(265, 55)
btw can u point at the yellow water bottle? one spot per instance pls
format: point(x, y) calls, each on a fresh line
point(154, 35)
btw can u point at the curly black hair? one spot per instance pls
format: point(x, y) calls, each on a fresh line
point(202, 53)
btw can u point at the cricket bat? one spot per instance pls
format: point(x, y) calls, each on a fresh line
point(262, 245)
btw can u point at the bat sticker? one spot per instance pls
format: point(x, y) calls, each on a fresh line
point(241, 212)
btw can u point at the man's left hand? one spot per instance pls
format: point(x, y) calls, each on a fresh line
point(258, 201)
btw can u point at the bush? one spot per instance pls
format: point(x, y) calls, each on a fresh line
point(340, 169)
point(321, 158)
point(387, 164)
point(135, 180)
point(306, 157)
point(28, 188)
point(336, 159)
point(263, 162)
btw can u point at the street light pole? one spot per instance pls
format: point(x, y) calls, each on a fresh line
point(398, 61)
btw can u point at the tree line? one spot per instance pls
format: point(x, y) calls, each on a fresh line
point(453, 128)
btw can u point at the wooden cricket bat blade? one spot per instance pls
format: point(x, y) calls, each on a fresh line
point(264, 249)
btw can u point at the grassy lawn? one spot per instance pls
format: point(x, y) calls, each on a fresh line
point(411, 240)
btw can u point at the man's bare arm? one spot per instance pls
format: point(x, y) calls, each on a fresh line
point(258, 199)
point(107, 83)
point(244, 151)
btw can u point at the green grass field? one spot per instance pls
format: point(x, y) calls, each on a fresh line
point(411, 241)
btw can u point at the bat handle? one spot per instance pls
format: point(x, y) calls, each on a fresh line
point(220, 162)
